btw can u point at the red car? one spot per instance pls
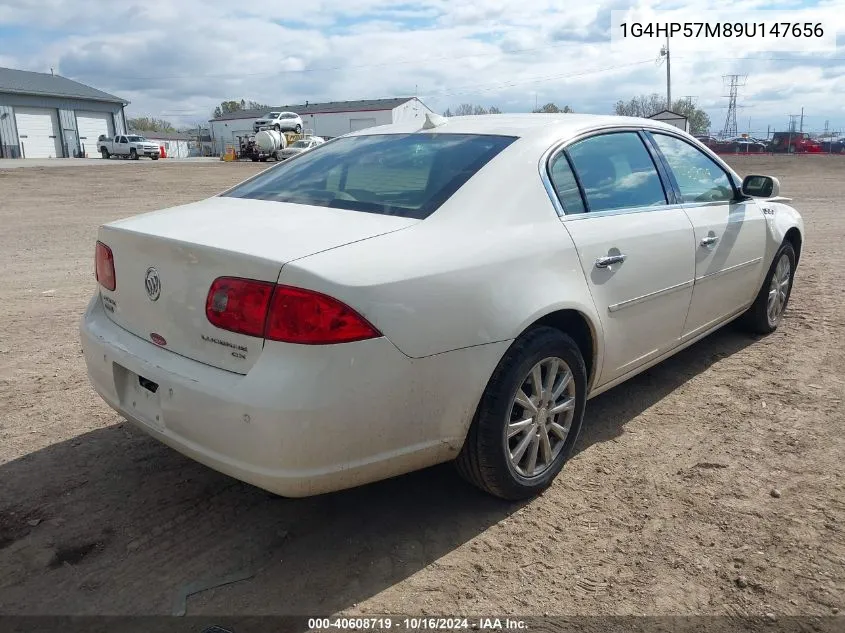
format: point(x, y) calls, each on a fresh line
point(794, 143)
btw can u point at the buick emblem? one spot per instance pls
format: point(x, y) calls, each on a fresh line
point(153, 284)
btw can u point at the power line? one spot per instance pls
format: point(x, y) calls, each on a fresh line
point(486, 86)
point(397, 62)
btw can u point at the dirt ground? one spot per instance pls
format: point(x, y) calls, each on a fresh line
point(711, 484)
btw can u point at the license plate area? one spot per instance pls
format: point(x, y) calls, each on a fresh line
point(139, 396)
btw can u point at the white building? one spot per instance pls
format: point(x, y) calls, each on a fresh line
point(175, 144)
point(672, 118)
point(322, 119)
point(49, 116)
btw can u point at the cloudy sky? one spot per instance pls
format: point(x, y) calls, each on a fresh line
point(177, 59)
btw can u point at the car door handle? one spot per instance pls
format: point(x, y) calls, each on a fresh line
point(604, 262)
point(709, 240)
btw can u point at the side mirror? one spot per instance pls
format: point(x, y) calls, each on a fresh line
point(761, 186)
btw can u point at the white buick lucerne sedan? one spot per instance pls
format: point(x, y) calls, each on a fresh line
point(450, 289)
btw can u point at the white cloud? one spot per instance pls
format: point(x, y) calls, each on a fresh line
point(178, 60)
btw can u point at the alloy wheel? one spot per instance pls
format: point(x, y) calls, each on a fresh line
point(540, 418)
point(779, 290)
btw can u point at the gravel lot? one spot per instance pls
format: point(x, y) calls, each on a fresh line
point(711, 484)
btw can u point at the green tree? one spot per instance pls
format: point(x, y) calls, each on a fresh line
point(649, 105)
point(148, 124)
point(551, 108)
point(227, 107)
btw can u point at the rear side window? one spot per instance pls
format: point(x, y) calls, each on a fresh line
point(408, 175)
point(565, 185)
point(616, 172)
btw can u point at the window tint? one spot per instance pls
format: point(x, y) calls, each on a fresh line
point(565, 185)
point(698, 177)
point(616, 172)
point(409, 175)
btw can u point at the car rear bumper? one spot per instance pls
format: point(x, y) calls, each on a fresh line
point(304, 420)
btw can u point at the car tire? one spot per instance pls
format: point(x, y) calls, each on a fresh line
point(254, 159)
point(277, 127)
point(104, 153)
point(765, 314)
point(493, 461)
point(133, 155)
point(154, 156)
point(298, 129)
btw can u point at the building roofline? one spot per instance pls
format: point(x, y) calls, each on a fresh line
point(330, 107)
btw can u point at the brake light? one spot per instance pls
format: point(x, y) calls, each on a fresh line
point(283, 313)
point(104, 267)
point(311, 318)
point(238, 305)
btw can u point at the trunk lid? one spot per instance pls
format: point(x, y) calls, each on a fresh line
point(165, 262)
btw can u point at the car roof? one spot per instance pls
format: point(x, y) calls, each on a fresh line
point(534, 125)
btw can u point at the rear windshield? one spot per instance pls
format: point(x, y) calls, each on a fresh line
point(408, 175)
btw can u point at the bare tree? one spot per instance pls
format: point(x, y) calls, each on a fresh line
point(649, 105)
point(148, 124)
point(551, 108)
point(466, 109)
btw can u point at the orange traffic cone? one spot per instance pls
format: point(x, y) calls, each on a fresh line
point(163, 153)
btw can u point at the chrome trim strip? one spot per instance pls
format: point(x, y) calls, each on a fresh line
point(730, 269)
point(652, 295)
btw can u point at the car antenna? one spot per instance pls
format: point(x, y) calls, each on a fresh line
point(433, 120)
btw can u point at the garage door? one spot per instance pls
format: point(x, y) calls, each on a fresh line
point(90, 126)
point(360, 124)
point(38, 131)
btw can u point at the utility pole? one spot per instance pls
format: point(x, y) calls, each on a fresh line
point(802, 120)
point(792, 119)
point(664, 52)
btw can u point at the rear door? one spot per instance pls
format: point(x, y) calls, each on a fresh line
point(730, 234)
point(634, 243)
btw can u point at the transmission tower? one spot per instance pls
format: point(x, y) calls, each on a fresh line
point(735, 83)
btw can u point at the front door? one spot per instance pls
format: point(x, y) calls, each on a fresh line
point(634, 246)
point(730, 235)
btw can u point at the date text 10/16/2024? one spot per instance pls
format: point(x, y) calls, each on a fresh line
point(417, 624)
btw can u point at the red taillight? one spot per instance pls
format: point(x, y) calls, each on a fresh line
point(104, 267)
point(310, 318)
point(283, 313)
point(239, 305)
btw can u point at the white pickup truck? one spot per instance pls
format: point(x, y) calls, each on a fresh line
point(127, 145)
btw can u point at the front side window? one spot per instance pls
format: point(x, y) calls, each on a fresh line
point(698, 177)
point(616, 172)
point(288, 116)
point(408, 175)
